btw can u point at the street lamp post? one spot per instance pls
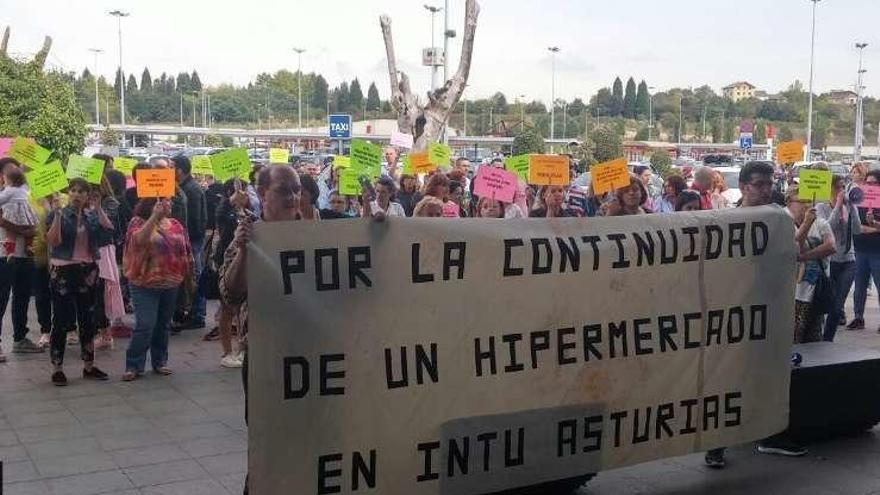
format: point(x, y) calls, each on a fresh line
point(860, 125)
point(522, 112)
point(97, 51)
point(810, 104)
point(118, 14)
point(553, 51)
point(433, 10)
point(679, 118)
point(195, 96)
point(299, 52)
point(650, 112)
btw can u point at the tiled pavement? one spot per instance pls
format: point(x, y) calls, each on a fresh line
point(185, 434)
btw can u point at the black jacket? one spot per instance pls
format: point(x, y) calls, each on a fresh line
point(196, 210)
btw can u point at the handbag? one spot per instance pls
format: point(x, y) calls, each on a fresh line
point(209, 280)
point(824, 299)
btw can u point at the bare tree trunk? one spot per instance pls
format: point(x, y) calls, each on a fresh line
point(39, 59)
point(5, 42)
point(426, 122)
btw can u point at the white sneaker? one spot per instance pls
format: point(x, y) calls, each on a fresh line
point(72, 338)
point(44, 340)
point(230, 361)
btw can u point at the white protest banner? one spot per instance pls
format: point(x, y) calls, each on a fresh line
point(401, 139)
point(578, 345)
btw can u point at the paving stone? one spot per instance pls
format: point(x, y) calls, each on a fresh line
point(194, 487)
point(54, 467)
point(152, 454)
point(89, 484)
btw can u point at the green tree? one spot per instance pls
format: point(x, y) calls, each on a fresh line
point(319, 92)
point(213, 140)
point(528, 141)
point(617, 98)
point(341, 97)
point(576, 107)
point(607, 144)
point(373, 102)
point(356, 96)
point(629, 99)
point(146, 81)
point(195, 82)
point(184, 84)
point(499, 103)
point(642, 134)
point(109, 137)
point(40, 105)
point(662, 163)
point(785, 133)
point(760, 134)
point(643, 100)
point(131, 87)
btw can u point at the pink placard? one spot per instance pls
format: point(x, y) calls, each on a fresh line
point(871, 196)
point(5, 144)
point(495, 183)
point(450, 210)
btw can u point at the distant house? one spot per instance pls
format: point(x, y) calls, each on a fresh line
point(843, 97)
point(739, 91)
point(765, 96)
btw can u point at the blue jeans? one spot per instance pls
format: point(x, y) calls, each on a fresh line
point(197, 312)
point(153, 309)
point(842, 276)
point(867, 266)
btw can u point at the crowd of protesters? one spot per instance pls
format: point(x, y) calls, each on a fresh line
point(97, 252)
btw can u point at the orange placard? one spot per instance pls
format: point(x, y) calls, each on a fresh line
point(421, 163)
point(789, 152)
point(548, 170)
point(155, 183)
point(609, 176)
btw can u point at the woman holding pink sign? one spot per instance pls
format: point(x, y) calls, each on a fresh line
point(867, 249)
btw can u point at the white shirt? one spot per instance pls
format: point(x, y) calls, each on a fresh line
point(394, 209)
point(815, 237)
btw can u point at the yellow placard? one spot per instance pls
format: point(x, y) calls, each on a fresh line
point(609, 176)
point(789, 152)
point(278, 156)
point(549, 170)
point(124, 165)
point(814, 185)
point(341, 161)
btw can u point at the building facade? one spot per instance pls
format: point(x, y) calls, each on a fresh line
point(739, 91)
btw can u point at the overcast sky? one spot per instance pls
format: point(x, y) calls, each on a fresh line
point(670, 43)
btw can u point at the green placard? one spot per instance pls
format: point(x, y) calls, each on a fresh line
point(124, 165)
point(48, 179)
point(348, 182)
point(90, 169)
point(366, 158)
point(519, 165)
point(28, 152)
point(231, 163)
point(814, 185)
point(439, 154)
point(341, 161)
point(407, 165)
point(201, 164)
